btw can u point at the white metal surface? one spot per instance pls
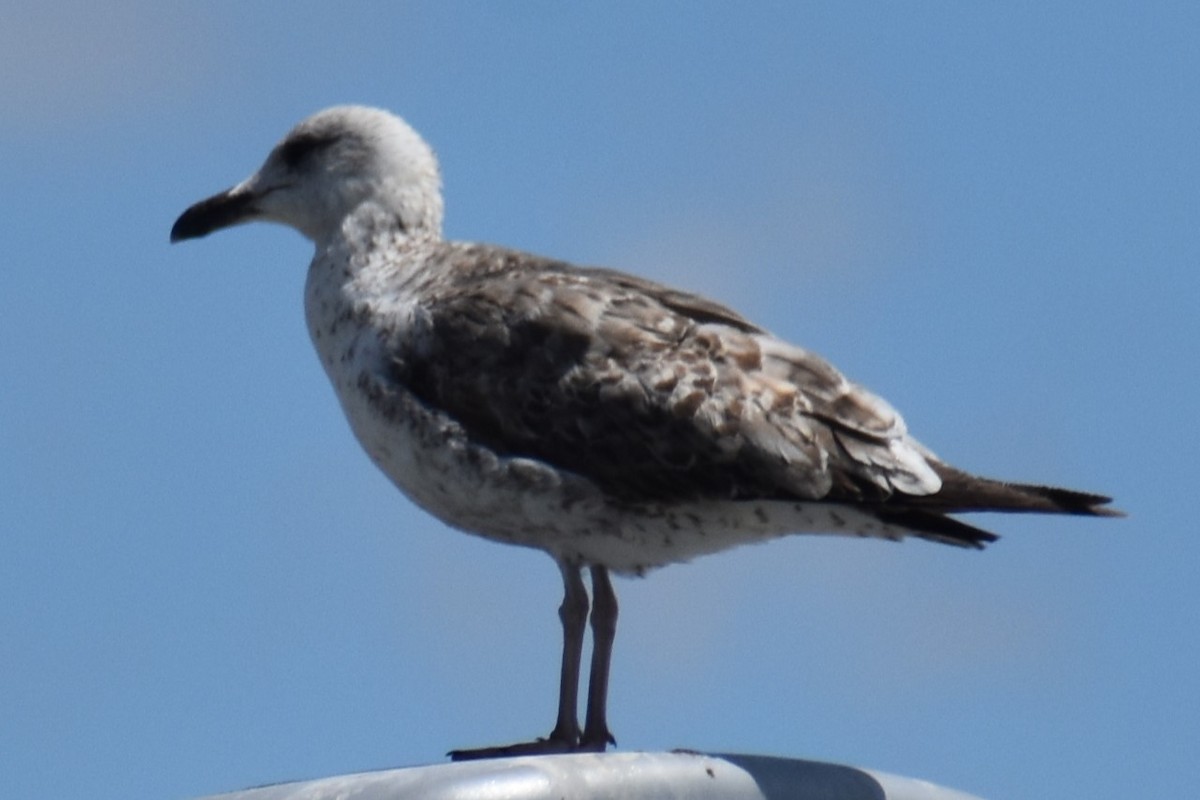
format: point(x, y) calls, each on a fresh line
point(613, 776)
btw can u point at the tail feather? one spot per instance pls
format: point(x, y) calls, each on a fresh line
point(926, 516)
point(936, 526)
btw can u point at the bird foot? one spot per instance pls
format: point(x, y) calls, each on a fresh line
point(550, 745)
point(547, 746)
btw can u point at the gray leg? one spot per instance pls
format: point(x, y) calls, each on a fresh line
point(604, 630)
point(565, 737)
point(573, 612)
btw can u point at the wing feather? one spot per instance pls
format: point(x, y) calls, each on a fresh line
point(650, 392)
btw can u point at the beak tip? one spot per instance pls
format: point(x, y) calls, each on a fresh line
point(179, 231)
point(219, 211)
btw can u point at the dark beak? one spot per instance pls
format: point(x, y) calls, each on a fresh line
point(219, 211)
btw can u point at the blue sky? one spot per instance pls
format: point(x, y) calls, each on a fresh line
point(988, 215)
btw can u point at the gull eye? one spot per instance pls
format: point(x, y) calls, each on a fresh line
point(299, 148)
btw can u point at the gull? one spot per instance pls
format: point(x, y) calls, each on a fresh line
point(615, 423)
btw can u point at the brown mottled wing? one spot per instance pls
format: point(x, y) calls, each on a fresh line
point(649, 392)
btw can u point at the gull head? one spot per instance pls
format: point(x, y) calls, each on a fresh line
point(343, 164)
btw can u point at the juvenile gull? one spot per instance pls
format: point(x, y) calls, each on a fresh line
point(613, 422)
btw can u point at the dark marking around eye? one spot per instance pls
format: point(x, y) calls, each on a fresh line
point(299, 147)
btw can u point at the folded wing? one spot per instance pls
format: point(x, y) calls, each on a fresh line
point(651, 393)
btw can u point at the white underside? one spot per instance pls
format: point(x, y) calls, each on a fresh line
point(525, 502)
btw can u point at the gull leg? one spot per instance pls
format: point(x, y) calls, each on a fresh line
point(573, 612)
point(596, 735)
point(565, 737)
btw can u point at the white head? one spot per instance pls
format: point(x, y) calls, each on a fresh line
point(340, 163)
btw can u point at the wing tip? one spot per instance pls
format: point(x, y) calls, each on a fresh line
point(962, 491)
point(1066, 501)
